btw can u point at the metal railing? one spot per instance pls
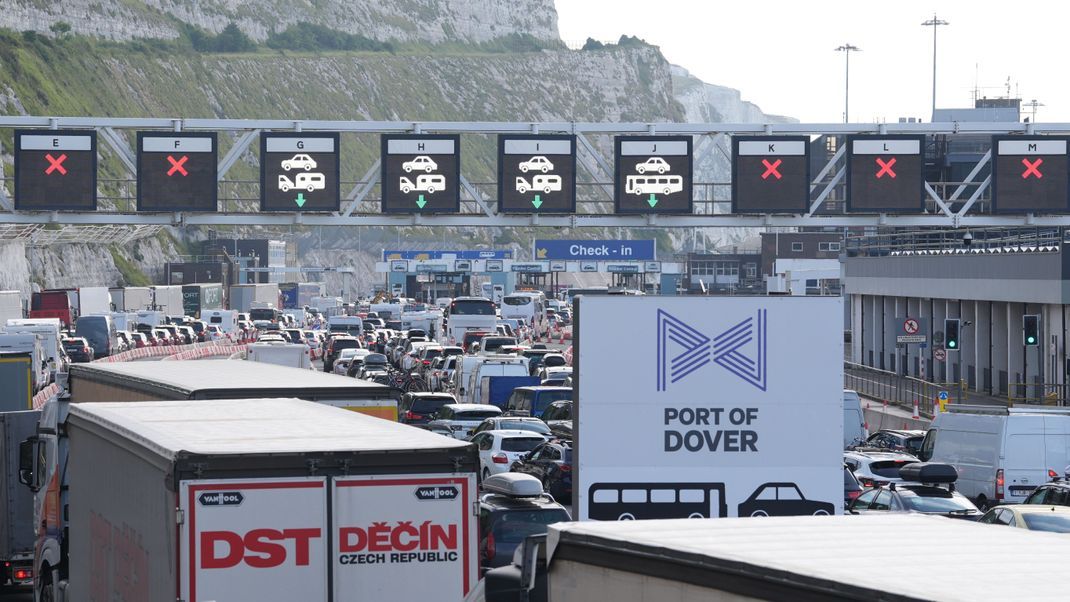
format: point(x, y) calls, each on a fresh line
point(1048, 394)
point(899, 390)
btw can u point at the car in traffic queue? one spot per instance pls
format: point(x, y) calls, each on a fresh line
point(498, 449)
point(513, 423)
point(347, 358)
point(513, 508)
point(533, 400)
point(1034, 517)
point(78, 349)
point(872, 466)
point(551, 464)
point(905, 441)
point(335, 347)
point(558, 417)
point(851, 487)
point(420, 408)
point(374, 363)
point(458, 420)
point(919, 491)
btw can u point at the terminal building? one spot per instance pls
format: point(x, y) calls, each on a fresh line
point(989, 286)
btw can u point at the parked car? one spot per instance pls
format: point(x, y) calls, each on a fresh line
point(1054, 519)
point(418, 408)
point(920, 492)
point(512, 423)
point(78, 350)
point(513, 508)
point(500, 448)
point(851, 486)
point(782, 499)
point(335, 347)
point(558, 417)
point(906, 441)
point(1056, 493)
point(551, 464)
point(457, 420)
point(876, 467)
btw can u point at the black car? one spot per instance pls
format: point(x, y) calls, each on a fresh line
point(851, 486)
point(1056, 493)
point(782, 499)
point(334, 349)
point(558, 416)
point(513, 508)
point(78, 350)
point(551, 464)
point(418, 408)
point(897, 440)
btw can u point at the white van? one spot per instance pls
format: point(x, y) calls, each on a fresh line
point(854, 420)
point(1001, 454)
point(493, 365)
point(225, 319)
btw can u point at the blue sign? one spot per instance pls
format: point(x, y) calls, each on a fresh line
point(388, 255)
point(633, 250)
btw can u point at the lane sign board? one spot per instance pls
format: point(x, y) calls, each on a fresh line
point(55, 170)
point(177, 171)
point(536, 174)
point(653, 174)
point(770, 174)
point(1030, 174)
point(421, 173)
point(299, 171)
point(884, 174)
point(631, 250)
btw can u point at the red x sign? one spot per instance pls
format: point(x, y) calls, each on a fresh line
point(885, 167)
point(771, 169)
point(176, 165)
point(56, 164)
point(1031, 169)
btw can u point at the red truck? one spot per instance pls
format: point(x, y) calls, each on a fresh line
point(57, 303)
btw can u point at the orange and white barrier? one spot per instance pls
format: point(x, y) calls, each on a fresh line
point(45, 395)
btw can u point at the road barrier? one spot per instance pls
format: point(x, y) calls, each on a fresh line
point(213, 350)
point(902, 391)
point(45, 395)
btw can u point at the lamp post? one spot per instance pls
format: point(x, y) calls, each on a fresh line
point(847, 49)
point(934, 23)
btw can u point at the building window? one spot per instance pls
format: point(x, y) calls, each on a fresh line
point(727, 268)
point(751, 270)
point(796, 247)
point(702, 268)
point(829, 246)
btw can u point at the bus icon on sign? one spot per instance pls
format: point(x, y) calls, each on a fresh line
point(638, 501)
point(641, 185)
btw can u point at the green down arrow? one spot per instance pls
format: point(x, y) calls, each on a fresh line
point(537, 201)
point(300, 200)
point(652, 201)
point(421, 202)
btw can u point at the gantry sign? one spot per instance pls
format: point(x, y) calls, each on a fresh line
point(552, 174)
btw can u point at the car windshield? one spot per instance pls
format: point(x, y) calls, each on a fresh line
point(427, 405)
point(475, 414)
point(473, 307)
point(914, 444)
point(521, 444)
point(1047, 521)
point(515, 526)
point(524, 425)
point(340, 344)
point(516, 300)
point(545, 398)
point(934, 500)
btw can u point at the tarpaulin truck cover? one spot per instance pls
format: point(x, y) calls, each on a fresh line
point(266, 499)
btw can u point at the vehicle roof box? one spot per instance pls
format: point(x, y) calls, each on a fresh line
point(513, 484)
point(926, 472)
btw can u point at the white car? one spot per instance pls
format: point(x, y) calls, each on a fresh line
point(876, 467)
point(538, 163)
point(457, 420)
point(299, 162)
point(341, 365)
point(652, 164)
point(499, 449)
point(421, 163)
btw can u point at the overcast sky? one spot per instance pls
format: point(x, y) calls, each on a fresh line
point(780, 53)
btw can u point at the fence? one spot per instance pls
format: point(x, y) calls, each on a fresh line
point(1049, 394)
point(900, 390)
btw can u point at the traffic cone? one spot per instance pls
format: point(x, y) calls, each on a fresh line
point(916, 415)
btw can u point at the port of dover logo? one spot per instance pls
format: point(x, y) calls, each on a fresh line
point(683, 349)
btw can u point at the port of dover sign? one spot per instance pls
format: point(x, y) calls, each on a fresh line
point(731, 406)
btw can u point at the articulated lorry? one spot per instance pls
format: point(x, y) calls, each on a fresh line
point(222, 500)
point(169, 300)
point(16, 502)
point(131, 298)
point(10, 306)
point(243, 296)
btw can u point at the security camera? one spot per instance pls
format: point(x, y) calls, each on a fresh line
point(967, 239)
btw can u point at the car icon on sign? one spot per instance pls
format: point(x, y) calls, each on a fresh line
point(782, 499)
point(538, 163)
point(299, 162)
point(652, 164)
point(421, 163)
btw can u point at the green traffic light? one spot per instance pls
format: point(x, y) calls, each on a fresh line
point(1031, 340)
point(951, 343)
